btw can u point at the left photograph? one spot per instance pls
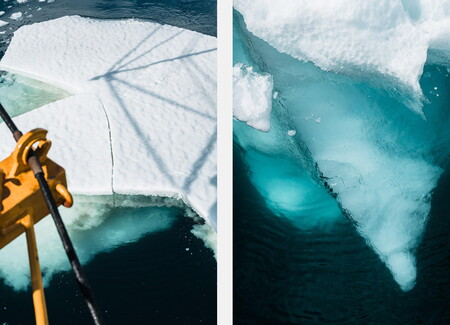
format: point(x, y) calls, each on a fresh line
point(108, 162)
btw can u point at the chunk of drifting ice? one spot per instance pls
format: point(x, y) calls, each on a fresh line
point(208, 235)
point(252, 97)
point(153, 87)
point(3, 23)
point(16, 16)
point(358, 38)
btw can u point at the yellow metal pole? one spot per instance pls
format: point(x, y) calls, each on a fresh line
point(40, 308)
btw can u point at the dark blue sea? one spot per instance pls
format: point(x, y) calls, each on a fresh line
point(166, 277)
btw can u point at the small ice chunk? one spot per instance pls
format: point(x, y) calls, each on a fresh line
point(291, 133)
point(208, 235)
point(2, 13)
point(22, 1)
point(3, 23)
point(252, 98)
point(16, 16)
point(275, 95)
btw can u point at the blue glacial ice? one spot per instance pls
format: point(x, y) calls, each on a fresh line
point(364, 139)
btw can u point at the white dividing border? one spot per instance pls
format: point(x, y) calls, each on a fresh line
point(225, 164)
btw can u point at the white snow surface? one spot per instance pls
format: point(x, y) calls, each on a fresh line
point(252, 97)
point(356, 37)
point(142, 119)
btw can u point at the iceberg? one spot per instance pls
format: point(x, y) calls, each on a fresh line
point(379, 41)
point(357, 134)
point(139, 120)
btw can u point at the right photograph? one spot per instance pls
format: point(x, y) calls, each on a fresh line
point(341, 162)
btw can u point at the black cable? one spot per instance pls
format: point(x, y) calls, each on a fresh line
point(86, 290)
point(35, 165)
point(8, 121)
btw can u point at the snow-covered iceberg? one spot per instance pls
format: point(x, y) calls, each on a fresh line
point(373, 39)
point(353, 129)
point(141, 120)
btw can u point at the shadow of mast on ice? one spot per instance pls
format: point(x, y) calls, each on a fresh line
point(202, 79)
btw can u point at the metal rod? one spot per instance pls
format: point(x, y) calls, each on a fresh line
point(80, 276)
point(40, 308)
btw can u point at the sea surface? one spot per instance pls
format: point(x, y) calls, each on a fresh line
point(167, 277)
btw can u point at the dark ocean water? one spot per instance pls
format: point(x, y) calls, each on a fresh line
point(168, 277)
point(283, 275)
point(153, 281)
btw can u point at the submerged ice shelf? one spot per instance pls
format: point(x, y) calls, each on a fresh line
point(140, 120)
point(375, 154)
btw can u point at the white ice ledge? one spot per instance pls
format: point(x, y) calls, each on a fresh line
point(142, 119)
point(389, 38)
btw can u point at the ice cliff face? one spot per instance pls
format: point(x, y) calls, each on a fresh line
point(345, 73)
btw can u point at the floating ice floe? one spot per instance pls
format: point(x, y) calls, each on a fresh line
point(252, 97)
point(369, 38)
point(141, 118)
point(16, 16)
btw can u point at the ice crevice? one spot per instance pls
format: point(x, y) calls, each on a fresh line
point(110, 145)
point(138, 131)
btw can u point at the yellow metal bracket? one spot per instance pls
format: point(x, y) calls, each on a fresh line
point(22, 204)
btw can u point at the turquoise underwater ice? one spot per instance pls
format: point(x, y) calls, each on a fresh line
point(359, 151)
